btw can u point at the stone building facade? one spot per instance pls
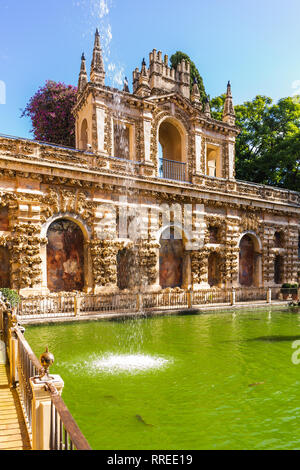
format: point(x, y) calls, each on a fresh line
point(148, 200)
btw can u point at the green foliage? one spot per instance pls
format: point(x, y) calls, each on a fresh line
point(11, 296)
point(195, 75)
point(268, 146)
point(288, 288)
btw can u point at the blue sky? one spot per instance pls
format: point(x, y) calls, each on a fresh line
point(253, 43)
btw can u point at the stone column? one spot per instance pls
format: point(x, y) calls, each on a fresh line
point(147, 167)
point(198, 148)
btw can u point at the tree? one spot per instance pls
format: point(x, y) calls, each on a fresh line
point(176, 58)
point(50, 111)
point(268, 146)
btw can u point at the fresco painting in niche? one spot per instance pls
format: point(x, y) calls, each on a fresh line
point(213, 269)
point(125, 261)
point(170, 261)
point(65, 258)
point(4, 219)
point(4, 267)
point(246, 271)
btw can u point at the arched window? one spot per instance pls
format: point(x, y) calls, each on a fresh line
point(65, 256)
point(213, 161)
point(84, 135)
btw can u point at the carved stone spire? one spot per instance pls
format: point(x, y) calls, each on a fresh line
point(125, 86)
point(97, 74)
point(207, 108)
point(143, 88)
point(228, 111)
point(83, 78)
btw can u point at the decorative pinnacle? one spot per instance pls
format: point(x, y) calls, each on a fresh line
point(228, 88)
point(126, 88)
point(83, 56)
point(228, 111)
point(46, 360)
point(97, 73)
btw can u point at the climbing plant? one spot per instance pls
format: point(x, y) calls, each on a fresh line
point(176, 58)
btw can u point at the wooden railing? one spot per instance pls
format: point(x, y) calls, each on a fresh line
point(33, 308)
point(64, 432)
point(27, 366)
point(49, 423)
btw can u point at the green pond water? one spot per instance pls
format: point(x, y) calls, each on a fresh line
point(181, 382)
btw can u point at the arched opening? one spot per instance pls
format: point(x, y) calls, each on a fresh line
point(84, 135)
point(4, 267)
point(214, 274)
point(65, 256)
point(249, 261)
point(278, 269)
point(171, 259)
point(171, 151)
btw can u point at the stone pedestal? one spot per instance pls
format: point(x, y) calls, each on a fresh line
point(41, 410)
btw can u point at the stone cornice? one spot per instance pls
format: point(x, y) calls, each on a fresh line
point(173, 191)
point(151, 102)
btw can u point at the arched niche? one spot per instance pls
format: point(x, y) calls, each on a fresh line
point(174, 260)
point(127, 269)
point(84, 135)
point(278, 269)
point(4, 221)
point(4, 267)
point(214, 274)
point(65, 256)
point(249, 261)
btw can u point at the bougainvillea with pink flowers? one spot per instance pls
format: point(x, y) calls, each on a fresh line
point(50, 111)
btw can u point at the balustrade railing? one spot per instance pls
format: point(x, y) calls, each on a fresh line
point(210, 296)
point(64, 432)
point(33, 308)
point(27, 366)
point(172, 170)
